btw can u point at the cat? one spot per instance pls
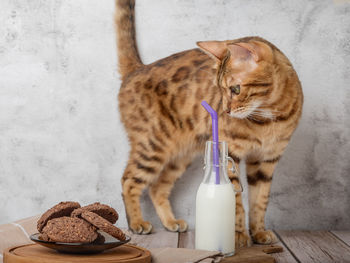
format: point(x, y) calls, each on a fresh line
point(248, 81)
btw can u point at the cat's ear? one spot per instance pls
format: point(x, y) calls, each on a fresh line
point(249, 50)
point(215, 49)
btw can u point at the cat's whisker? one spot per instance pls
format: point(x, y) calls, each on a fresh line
point(266, 115)
point(254, 117)
point(251, 117)
point(276, 111)
point(263, 111)
point(240, 109)
point(262, 106)
point(267, 111)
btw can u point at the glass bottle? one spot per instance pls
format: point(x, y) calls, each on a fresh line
point(216, 205)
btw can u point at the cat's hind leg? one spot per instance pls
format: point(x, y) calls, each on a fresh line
point(160, 190)
point(143, 168)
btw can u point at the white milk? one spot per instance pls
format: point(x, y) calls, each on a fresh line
point(215, 217)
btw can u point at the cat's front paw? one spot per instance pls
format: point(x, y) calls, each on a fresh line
point(141, 227)
point(242, 239)
point(178, 225)
point(266, 237)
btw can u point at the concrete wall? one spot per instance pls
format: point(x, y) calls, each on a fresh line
point(60, 135)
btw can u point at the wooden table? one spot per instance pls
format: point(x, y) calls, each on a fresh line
point(299, 246)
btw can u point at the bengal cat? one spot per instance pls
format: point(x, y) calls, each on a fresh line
point(258, 97)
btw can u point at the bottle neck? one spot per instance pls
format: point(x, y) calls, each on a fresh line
point(210, 175)
point(216, 174)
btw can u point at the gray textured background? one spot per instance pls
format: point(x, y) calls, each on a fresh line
point(60, 135)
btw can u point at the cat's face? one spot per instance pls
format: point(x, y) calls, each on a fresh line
point(245, 76)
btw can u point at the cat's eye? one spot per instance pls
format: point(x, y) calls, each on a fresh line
point(236, 89)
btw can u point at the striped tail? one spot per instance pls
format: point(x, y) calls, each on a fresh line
point(129, 58)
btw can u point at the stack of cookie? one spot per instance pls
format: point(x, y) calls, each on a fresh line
point(68, 222)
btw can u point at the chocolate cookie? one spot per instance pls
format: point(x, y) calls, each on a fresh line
point(44, 237)
point(61, 209)
point(103, 224)
point(70, 230)
point(102, 210)
point(100, 239)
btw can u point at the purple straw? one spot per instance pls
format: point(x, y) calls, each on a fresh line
point(214, 119)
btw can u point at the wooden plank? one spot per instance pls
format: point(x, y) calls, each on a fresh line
point(254, 254)
point(186, 240)
point(285, 256)
point(315, 246)
point(158, 238)
point(343, 235)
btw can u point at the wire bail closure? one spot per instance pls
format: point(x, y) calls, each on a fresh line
point(233, 170)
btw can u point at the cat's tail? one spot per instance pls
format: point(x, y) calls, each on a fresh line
point(128, 55)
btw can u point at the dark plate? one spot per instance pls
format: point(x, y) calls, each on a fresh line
point(80, 248)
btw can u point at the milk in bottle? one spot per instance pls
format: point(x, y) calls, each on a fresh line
point(215, 206)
